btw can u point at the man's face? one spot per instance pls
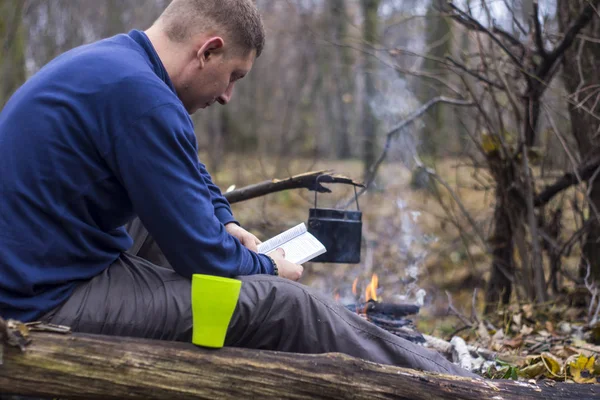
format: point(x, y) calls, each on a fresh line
point(213, 75)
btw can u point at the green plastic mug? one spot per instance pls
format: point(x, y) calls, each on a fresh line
point(213, 302)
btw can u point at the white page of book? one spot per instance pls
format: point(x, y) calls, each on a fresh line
point(277, 241)
point(299, 245)
point(302, 248)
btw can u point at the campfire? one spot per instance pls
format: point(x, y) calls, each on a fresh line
point(389, 316)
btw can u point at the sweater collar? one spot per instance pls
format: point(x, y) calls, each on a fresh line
point(159, 69)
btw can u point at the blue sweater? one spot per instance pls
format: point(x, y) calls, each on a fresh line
point(94, 138)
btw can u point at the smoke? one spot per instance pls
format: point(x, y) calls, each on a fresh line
point(413, 248)
point(393, 101)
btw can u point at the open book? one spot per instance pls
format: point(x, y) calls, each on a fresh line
point(299, 245)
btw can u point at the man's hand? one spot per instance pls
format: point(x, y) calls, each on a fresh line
point(286, 269)
point(246, 238)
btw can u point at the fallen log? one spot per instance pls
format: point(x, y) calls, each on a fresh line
point(100, 367)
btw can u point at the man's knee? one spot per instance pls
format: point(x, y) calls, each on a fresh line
point(268, 309)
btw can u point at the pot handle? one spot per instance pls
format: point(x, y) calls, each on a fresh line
point(355, 194)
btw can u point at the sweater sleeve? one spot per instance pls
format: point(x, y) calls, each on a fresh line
point(222, 208)
point(156, 161)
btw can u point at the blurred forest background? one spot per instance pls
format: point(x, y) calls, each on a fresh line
point(475, 125)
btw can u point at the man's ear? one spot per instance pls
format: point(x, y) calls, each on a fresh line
point(209, 49)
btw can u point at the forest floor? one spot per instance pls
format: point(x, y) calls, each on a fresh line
point(413, 245)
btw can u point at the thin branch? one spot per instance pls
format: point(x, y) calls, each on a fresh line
point(512, 99)
point(307, 180)
point(539, 41)
point(463, 209)
point(593, 289)
point(478, 26)
point(536, 257)
point(474, 315)
point(454, 311)
point(475, 74)
point(411, 119)
point(396, 67)
point(514, 18)
point(563, 143)
point(582, 20)
point(566, 248)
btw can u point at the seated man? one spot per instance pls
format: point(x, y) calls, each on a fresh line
point(101, 136)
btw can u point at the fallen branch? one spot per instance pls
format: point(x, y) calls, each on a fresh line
point(307, 181)
point(445, 347)
point(460, 353)
point(102, 367)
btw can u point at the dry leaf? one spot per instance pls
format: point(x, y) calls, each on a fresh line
point(526, 330)
point(528, 310)
point(517, 318)
point(513, 343)
point(483, 334)
point(564, 351)
point(550, 327)
point(490, 143)
point(499, 335)
point(533, 371)
point(581, 369)
point(552, 364)
point(565, 328)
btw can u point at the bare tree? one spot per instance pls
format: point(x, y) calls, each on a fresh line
point(582, 79)
point(370, 126)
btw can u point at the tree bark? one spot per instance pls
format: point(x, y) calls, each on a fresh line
point(499, 286)
point(370, 125)
point(12, 46)
point(580, 71)
point(101, 367)
point(437, 133)
point(307, 180)
point(344, 86)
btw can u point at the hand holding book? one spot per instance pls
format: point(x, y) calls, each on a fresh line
point(298, 244)
point(286, 268)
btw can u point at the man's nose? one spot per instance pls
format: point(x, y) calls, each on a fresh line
point(226, 97)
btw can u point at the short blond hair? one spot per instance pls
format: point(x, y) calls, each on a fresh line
point(239, 19)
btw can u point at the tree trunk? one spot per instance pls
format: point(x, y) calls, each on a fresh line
point(103, 367)
point(13, 43)
point(344, 84)
point(499, 286)
point(437, 132)
point(582, 77)
point(114, 22)
point(369, 126)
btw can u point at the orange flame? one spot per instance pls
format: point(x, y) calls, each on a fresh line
point(354, 285)
point(371, 291)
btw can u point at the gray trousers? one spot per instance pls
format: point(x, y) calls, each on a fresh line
point(140, 295)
